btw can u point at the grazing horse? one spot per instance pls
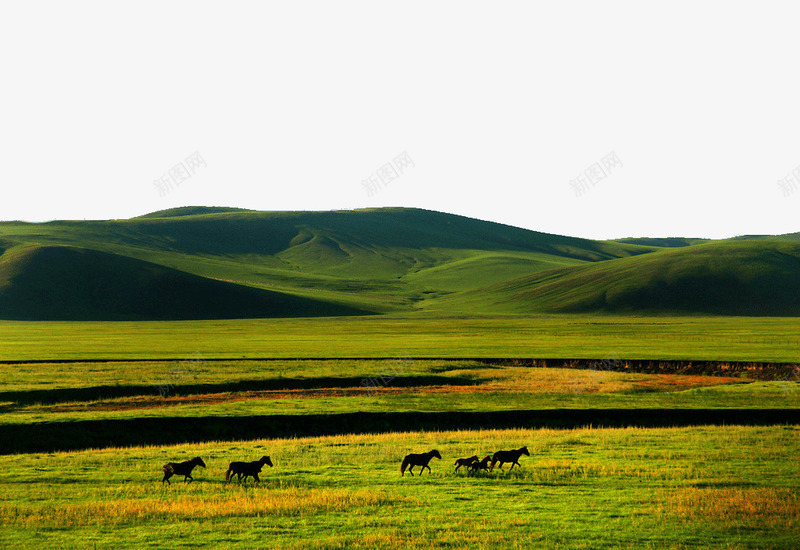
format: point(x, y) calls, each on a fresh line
point(509, 456)
point(466, 462)
point(182, 469)
point(419, 460)
point(482, 464)
point(247, 469)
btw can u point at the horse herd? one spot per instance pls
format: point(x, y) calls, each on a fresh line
point(239, 469)
point(243, 470)
point(486, 463)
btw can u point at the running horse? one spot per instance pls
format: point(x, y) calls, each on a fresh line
point(182, 469)
point(482, 464)
point(247, 469)
point(466, 462)
point(418, 460)
point(509, 456)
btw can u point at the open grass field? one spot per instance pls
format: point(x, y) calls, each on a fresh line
point(61, 406)
point(60, 392)
point(338, 342)
point(117, 386)
point(703, 487)
point(774, 339)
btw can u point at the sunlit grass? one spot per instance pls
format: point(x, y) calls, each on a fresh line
point(421, 386)
point(280, 502)
point(723, 487)
point(771, 507)
point(537, 336)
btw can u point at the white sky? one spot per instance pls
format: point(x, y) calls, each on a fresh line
point(499, 104)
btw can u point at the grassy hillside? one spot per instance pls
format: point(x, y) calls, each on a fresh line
point(68, 283)
point(192, 210)
point(784, 237)
point(378, 260)
point(388, 260)
point(726, 278)
point(669, 242)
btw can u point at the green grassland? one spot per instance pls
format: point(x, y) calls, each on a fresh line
point(751, 278)
point(370, 260)
point(55, 405)
point(232, 263)
point(389, 327)
point(712, 487)
point(175, 390)
point(693, 338)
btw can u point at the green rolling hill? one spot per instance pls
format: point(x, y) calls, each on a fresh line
point(723, 278)
point(68, 283)
point(217, 262)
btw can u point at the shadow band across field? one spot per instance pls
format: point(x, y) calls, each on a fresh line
point(89, 434)
point(94, 393)
point(745, 369)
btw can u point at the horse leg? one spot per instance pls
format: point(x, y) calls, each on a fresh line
point(255, 478)
point(409, 470)
point(166, 478)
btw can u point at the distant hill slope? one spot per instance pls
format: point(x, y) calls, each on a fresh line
point(728, 278)
point(192, 211)
point(67, 283)
point(335, 235)
point(669, 242)
point(382, 260)
point(784, 237)
point(171, 264)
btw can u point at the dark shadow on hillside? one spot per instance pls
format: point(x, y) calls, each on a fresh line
point(64, 283)
point(95, 393)
point(68, 436)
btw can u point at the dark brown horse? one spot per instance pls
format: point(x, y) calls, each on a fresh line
point(509, 456)
point(418, 460)
point(247, 469)
point(182, 469)
point(482, 464)
point(466, 462)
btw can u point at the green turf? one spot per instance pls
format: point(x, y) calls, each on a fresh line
point(441, 286)
point(195, 388)
point(717, 487)
point(539, 336)
point(759, 395)
point(727, 278)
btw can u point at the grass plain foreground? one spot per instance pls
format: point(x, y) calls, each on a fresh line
point(727, 487)
point(694, 338)
point(703, 487)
